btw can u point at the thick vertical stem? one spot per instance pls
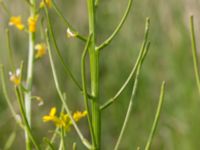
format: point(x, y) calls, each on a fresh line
point(29, 75)
point(94, 70)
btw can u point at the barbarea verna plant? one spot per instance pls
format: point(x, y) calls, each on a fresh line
point(93, 107)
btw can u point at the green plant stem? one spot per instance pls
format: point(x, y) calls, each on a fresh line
point(96, 3)
point(62, 139)
point(132, 97)
point(67, 24)
point(94, 73)
point(155, 122)
point(11, 58)
point(5, 93)
point(66, 68)
point(29, 79)
point(130, 106)
point(62, 97)
point(141, 55)
point(74, 147)
point(194, 52)
point(58, 52)
point(112, 36)
point(49, 143)
point(27, 126)
point(84, 86)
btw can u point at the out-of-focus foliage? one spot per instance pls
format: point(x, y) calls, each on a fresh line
point(169, 59)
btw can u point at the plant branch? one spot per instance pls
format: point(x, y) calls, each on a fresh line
point(112, 36)
point(145, 47)
point(13, 112)
point(84, 86)
point(23, 113)
point(66, 68)
point(67, 24)
point(11, 58)
point(29, 77)
point(130, 106)
point(155, 122)
point(194, 52)
point(84, 141)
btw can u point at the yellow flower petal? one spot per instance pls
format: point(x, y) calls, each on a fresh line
point(52, 111)
point(41, 50)
point(47, 118)
point(51, 116)
point(78, 115)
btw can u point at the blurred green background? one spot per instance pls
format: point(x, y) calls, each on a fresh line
point(169, 59)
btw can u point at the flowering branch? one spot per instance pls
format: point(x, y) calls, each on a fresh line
point(84, 141)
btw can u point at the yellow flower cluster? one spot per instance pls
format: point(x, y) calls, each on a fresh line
point(15, 78)
point(17, 22)
point(32, 21)
point(45, 2)
point(78, 115)
point(63, 121)
point(40, 50)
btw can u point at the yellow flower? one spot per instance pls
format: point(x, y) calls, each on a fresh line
point(63, 121)
point(32, 21)
point(51, 116)
point(16, 21)
point(78, 115)
point(15, 78)
point(47, 2)
point(40, 50)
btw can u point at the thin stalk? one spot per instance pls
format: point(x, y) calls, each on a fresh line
point(5, 93)
point(62, 139)
point(84, 86)
point(130, 106)
point(113, 35)
point(141, 55)
point(27, 126)
point(155, 122)
point(11, 58)
point(74, 147)
point(94, 73)
point(66, 22)
point(29, 79)
point(96, 3)
point(194, 52)
point(49, 143)
point(66, 68)
point(62, 97)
